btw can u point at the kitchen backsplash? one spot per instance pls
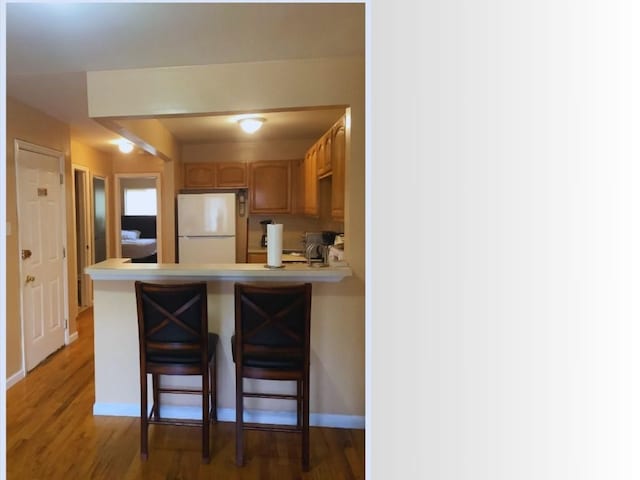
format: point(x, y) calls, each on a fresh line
point(293, 228)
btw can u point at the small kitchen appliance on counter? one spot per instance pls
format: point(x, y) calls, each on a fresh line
point(263, 239)
point(317, 244)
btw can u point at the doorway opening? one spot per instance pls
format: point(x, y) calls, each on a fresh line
point(138, 222)
point(100, 248)
point(82, 202)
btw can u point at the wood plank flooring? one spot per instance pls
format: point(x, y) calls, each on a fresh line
point(52, 434)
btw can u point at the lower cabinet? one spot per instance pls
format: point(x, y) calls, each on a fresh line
point(253, 257)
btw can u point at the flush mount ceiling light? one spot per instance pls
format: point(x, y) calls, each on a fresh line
point(252, 124)
point(125, 146)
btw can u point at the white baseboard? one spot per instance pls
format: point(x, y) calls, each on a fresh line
point(15, 378)
point(72, 338)
point(229, 415)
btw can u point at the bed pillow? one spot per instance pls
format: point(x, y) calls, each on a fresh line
point(130, 234)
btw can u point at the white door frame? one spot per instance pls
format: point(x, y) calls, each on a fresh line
point(20, 145)
point(86, 234)
point(119, 209)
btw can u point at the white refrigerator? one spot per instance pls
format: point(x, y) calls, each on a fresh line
point(207, 228)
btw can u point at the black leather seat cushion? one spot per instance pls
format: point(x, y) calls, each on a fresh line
point(188, 358)
point(281, 363)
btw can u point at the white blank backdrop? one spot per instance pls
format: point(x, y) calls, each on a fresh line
point(504, 154)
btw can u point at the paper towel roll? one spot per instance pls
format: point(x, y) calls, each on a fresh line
point(274, 245)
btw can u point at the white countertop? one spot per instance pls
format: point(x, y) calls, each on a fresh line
point(122, 269)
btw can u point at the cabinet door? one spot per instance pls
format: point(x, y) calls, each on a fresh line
point(199, 175)
point(270, 187)
point(323, 156)
point(253, 257)
point(311, 183)
point(338, 149)
point(231, 174)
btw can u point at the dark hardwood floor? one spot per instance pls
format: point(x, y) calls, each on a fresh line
point(52, 434)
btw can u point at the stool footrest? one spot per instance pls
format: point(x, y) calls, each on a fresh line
point(272, 427)
point(180, 390)
point(281, 396)
point(183, 422)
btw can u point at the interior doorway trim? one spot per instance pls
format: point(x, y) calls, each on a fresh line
point(107, 186)
point(119, 207)
point(83, 232)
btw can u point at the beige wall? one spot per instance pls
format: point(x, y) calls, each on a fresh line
point(30, 125)
point(247, 151)
point(339, 309)
point(98, 164)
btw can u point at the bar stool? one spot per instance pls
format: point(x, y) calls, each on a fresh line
point(174, 339)
point(272, 342)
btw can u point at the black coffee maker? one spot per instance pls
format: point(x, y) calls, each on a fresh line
point(263, 240)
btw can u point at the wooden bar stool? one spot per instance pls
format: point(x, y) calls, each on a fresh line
point(272, 342)
point(174, 339)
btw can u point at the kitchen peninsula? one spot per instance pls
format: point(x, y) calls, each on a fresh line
point(117, 389)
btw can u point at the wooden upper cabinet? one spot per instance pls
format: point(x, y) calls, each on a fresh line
point(270, 187)
point(231, 175)
point(323, 158)
point(199, 175)
point(215, 175)
point(311, 205)
point(338, 149)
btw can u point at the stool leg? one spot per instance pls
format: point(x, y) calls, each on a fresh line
point(205, 417)
point(143, 416)
point(213, 374)
point(299, 399)
point(155, 380)
point(305, 425)
point(239, 421)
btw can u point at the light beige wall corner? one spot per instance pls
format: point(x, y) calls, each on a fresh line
point(99, 164)
point(283, 84)
point(33, 126)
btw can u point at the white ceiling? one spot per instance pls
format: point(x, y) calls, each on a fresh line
point(50, 46)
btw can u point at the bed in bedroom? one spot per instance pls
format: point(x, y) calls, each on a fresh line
point(138, 238)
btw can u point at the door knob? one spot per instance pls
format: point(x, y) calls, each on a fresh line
point(30, 278)
point(26, 254)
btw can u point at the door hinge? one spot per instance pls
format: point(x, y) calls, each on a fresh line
point(64, 252)
point(66, 323)
point(61, 179)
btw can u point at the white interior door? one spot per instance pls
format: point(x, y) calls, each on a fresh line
point(41, 224)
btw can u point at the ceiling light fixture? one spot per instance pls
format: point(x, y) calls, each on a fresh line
point(125, 146)
point(252, 124)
